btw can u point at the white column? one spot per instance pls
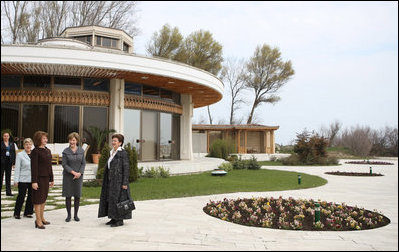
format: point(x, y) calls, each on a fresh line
point(117, 104)
point(186, 134)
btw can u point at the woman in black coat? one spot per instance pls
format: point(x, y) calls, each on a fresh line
point(115, 186)
point(7, 160)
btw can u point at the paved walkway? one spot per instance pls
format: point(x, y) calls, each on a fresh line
point(180, 224)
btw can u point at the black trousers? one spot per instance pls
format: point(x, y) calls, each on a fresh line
point(22, 187)
point(6, 167)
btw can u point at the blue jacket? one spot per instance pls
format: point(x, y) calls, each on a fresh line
point(22, 172)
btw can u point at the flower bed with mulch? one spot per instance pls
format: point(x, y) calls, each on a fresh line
point(295, 214)
point(369, 162)
point(362, 174)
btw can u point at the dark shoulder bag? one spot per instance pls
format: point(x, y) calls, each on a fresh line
point(126, 206)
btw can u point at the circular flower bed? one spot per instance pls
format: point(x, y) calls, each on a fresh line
point(364, 174)
point(369, 162)
point(294, 214)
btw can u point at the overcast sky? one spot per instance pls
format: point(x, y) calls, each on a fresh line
point(345, 56)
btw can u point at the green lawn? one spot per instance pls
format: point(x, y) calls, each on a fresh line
point(206, 184)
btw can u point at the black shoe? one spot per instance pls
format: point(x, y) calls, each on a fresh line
point(112, 221)
point(17, 217)
point(117, 223)
point(46, 222)
point(76, 218)
point(68, 218)
point(39, 227)
point(28, 216)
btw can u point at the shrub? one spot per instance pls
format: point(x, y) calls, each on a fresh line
point(141, 172)
point(158, 172)
point(221, 148)
point(103, 161)
point(133, 169)
point(253, 164)
point(311, 148)
point(226, 166)
point(240, 164)
point(232, 158)
point(163, 173)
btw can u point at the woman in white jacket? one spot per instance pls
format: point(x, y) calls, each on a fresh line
point(23, 179)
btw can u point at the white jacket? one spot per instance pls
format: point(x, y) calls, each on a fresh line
point(22, 172)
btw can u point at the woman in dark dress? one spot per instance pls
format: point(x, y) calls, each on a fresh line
point(42, 176)
point(73, 162)
point(7, 160)
point(115, 186)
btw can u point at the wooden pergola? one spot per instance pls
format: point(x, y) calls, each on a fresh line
point(250, 138)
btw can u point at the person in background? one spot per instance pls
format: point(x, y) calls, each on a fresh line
point(42, 176)
point(115, 185)
point(23, 180)
point(7, 160)
point(73, 162)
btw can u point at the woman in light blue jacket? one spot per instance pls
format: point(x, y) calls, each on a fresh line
point(23, 179)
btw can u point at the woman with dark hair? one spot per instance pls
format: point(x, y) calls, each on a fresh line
point(115, 187)
point(42, 176)
point(73, 162)
point(7, 160)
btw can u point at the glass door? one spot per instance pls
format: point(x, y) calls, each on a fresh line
point(165, 145)
point(149, 135)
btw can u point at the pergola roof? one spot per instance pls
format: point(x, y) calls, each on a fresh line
point(233, 127)
point(204, 87)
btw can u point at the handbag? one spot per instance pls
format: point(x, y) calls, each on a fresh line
point(125, 207)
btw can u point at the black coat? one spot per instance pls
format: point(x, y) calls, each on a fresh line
point(114, 178)
point(3, 152)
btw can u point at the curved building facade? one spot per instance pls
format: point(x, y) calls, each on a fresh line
point(89, 77)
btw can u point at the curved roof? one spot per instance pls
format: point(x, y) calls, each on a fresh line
point(48, 59)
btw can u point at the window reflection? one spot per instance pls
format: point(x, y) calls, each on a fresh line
point(66, 120)
point(34, 118)
point(132, 122)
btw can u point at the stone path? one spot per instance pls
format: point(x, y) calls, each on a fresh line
point(180, 224)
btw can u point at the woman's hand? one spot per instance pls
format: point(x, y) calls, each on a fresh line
point(124, 187)
point(52, 184)
point(35, 186)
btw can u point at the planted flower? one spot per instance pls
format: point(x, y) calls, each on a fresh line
point(295, 214)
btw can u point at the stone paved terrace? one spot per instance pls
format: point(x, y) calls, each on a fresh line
point(180, 223)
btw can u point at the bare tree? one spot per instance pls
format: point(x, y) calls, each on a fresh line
point(15, 12)
point(232, 73)
point(266, 74)
point(209, 115)
point(53, 17)
point(358, 140)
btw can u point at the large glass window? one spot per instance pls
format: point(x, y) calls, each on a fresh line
point(96, 84)
point(125, 47)
point(34, 118)
point(165, 143)
point(86, 39)
point(149, 135)
point(166, 94)
point(66, 121)
point(132, 122)
point(67, 82)
point(9, 117)
point(150, 91)
point(132, 88)
point(106, 42)
point(97, 117)
point(10, 81)
point(37, 81)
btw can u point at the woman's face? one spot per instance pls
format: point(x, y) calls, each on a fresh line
point(115, 143)
point(73, 142)
point(28, 146)
point(6, 137)
point(44, 140)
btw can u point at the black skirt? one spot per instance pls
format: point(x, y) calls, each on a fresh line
point(39, 196)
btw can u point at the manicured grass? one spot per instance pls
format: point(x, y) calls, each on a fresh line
point(270, 163)
point(206, 184)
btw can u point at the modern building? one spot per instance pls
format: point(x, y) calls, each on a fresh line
point(251, 138)
point(90, 77)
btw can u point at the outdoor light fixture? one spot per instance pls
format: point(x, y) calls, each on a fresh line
point(171, 82)
point(144, 77)
point(317, 212)
point(371, 170)
point(299, 179)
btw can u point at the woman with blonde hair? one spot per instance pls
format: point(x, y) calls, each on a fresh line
point(23, 180)
point(42, 176)
point(73, 162)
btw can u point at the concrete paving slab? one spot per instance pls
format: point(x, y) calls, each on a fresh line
point(180, 224)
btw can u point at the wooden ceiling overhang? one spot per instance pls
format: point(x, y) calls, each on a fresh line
point(204, 87)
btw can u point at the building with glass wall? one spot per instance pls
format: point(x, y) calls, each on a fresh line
point(90, 77)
